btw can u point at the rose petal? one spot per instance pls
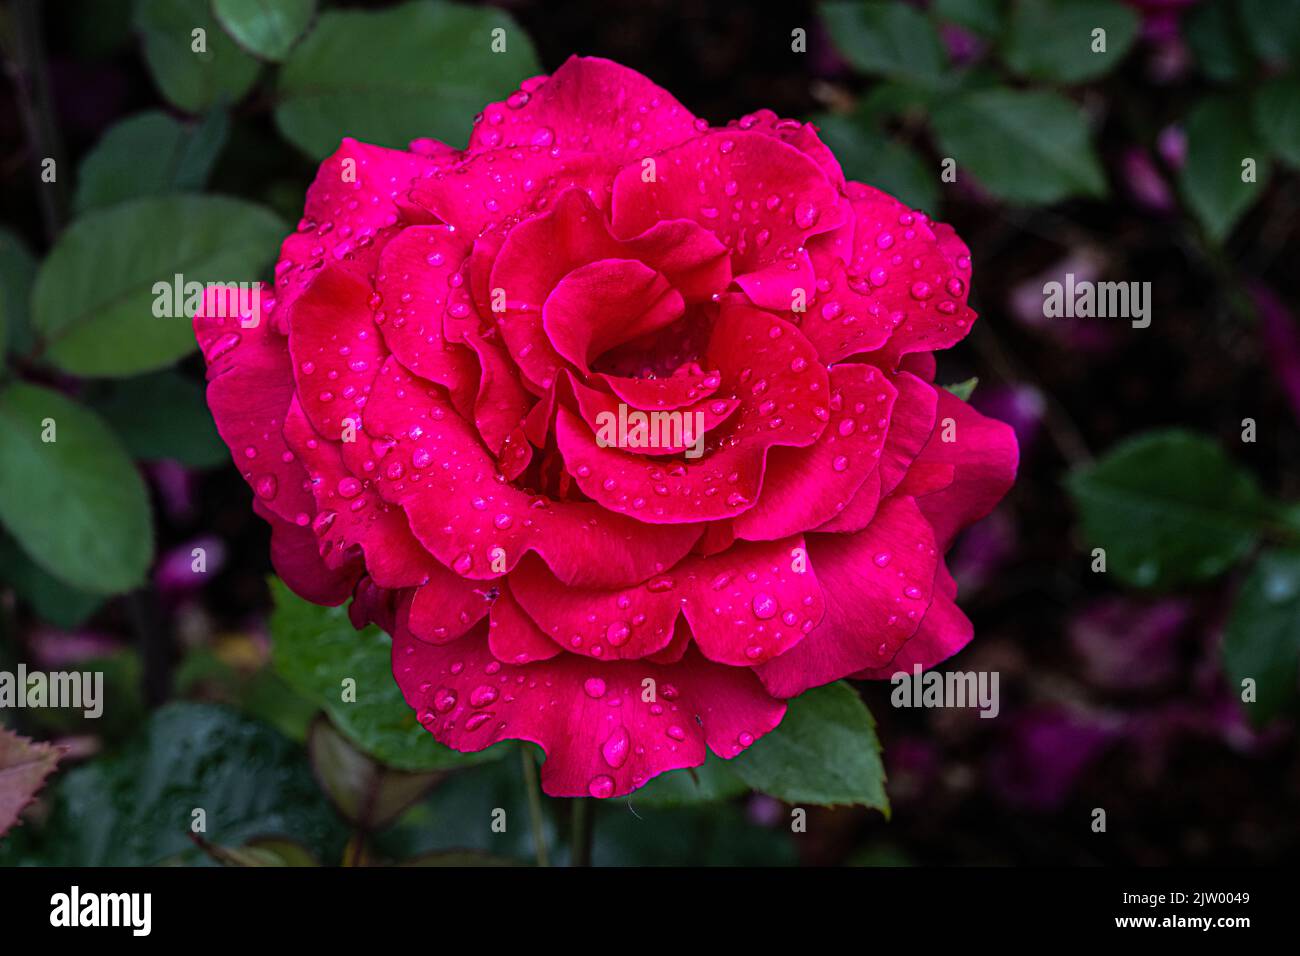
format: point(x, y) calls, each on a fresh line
point(877, 585)
point(601, 735)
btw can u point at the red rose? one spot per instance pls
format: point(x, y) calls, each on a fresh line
point(441, 414)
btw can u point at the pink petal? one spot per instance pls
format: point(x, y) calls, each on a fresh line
point(806, 487)
point(296, 559)
point(772, 368)
point(336, 350)
point(777, 195)
point(588, 105)
point(601, 735)
point(351, 205)
point(944, 631)
point(877, 586)
point(427, 459)
point(606, 303)
point(349, 516)
point(444, 608)
point(416, 280)
point(250, 384)
point(984, 456)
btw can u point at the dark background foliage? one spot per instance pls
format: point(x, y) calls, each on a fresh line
point(1120, 690)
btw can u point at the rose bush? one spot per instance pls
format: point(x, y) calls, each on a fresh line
point(416, 415)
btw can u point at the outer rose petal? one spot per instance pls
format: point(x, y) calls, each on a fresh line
point(944, 631)
point(910, 427)
point(589, 105)
point(348, 516)
point(336, 350)
point(250, 384)
point(600, 736)
point(877, 585)
point(295, 558)
point(745, 605)
point(351, 202)
point(984, 456)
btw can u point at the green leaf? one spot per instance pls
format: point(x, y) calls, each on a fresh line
point(163, 415)
point(17, 270)
point(389, 76)
point(711, 782)
point(1262, 639)
point(1169, 508)
point(892, 39)
point(1272, 28)
point(150, 154)
point(316, 648)
point(95, 294)
point(964, 390)
point(1214, 32)
point(53, 601)
point(979, 16)
point(869, 156)
point(194, 81)
point(1277, 116)
point(1220, 135)
point(824, 752)
point(76, 504)
point(1026, 147)
point(265, 28)
point(1053, 39)
point(136, 808)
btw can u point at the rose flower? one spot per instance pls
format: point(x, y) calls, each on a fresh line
point(421, 413)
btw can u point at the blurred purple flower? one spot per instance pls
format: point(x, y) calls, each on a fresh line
point(1144, 181)
point(176, 572)
point(982, 550)
point(175, 488)
point(1160, 17)
point(764, 811)
point(1020, 406)
point(963, 46)
point(1171, 144)
point(1026, 303)
point(53, 649)
point(1042, 755)
point(1126, 644)
point(1281, 335)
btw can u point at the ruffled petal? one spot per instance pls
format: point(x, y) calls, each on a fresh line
point(424, 457)
point(588, 105)
point(606, 727)
point(877, 586)
point(806, 487)
point(984, 456)
point(250, 385)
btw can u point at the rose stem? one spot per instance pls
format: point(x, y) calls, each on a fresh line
point(534, 802)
